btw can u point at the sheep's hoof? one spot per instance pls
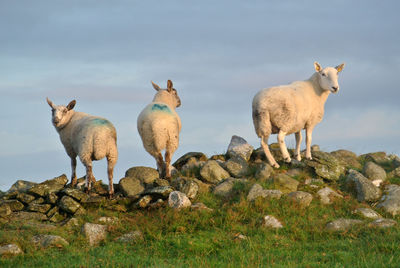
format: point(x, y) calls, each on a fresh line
point(110, 195)
point(276, 165)
point(309, 158)
point(298, 157)
point(288, 160)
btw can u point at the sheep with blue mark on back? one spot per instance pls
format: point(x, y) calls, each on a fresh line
point(89, 137)
point(159, 126)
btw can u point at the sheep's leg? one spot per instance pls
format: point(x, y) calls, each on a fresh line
point(110, 169)
point(282, 146)
point(270, 158)
point(74, 180)
point(168, 157)
point(160, 164)
point(89, 176)
point(298, 143)
point(308, 143)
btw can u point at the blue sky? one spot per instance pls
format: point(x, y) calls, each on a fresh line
point(219, 54)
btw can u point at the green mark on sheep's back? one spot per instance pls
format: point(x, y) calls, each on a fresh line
point(161, 108)
point(100, 122)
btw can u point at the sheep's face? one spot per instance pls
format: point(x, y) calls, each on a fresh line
point(168, 95)
point(61, 115)
point(328, 77)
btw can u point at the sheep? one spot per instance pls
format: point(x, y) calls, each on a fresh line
point(288, 109)
point(89, 137)
point(159, 126)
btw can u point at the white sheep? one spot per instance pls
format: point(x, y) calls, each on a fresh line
point(290, 108)
point(159, 126)
point(89, 137)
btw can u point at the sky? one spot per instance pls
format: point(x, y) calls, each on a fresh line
point(219, 54)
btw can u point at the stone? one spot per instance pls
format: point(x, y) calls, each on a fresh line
point(238, 147)
point(95, 201)
point(212, 172)
point(348, 158)
point(108, 220)
point(367, 213)
point(190, 188)
point(361, 187)
point(144, 201)
point(224, 189)
point(24, 216)
point(46, 241)
point(52, 198)
point(21, 186)
point(183, 160)
point(302, 199)
point(326, 166)
point(285, 183)
point(161, 182)
point(25, 198)
point(49, 186)
point(68, 204)
point(395, 173)
point(178, 200)
point(264, 172)
point(131, 237)
point(203, 187)
point(258, 191)
point(377, 157)
point(374, 172)
point(382, 223)
point(237, 167)
point(342, 225)
point(327, 196)
point(157, 204)
point(5, 209)
point(159, 192)
point(54, 215)
point(390, 201)
point(38, 201)
point(146, 175)
point(14, 204)
point(94, 233)
point(41, 208)
point(131, 186)
point(200, 206)
point(258, 156)
point(10, 249)
point(395, 160)
point(271, 222)
point(71, 223)
point(294, 172)
point(220, 157)
point(315, 148)
point(76, 194)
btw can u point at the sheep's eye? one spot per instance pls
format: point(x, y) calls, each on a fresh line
point(323, 74)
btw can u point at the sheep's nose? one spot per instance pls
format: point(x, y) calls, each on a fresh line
point(335, 89)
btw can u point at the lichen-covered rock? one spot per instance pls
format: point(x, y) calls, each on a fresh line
point(302, 199)
point(237, 167)
point(238, 147)
point(54, 215)
point(394, 173)
point(76, 194)
point(191, 189)
point(108, 220)
point(326, 166)
point(342, 225)
point(159, 192)
point(361, 187)
point(146, 175)
point(178, 200)
point(5, 209)
point(52, 198)
point(258, 191)
point(374, 172)
point(131, 186)
point(46, 241)
point(14, 204)
point(94, 233)
point(390, 201)
point(382, 223)
point(21, 186)
point(10, 249)
point(68, 204)
point(25, 198)
point(367, 213)
point(272, 222)
point(377, 157)
point(41, 208)
point(161, 182)
point(212, 172)
point(224, 189)
point(23, 216)
point(144, 201)
point(327, 196)
point(264, 172)
point(183, 160)
point(285, 183)
point(49, 186)
point(348, 158)
point(130, 237)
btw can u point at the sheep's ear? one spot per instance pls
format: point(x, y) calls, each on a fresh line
point(156, 87)
point(51, 103)
point(317, 66)
point(169, 85)
point(71, 105)
point(340, 67)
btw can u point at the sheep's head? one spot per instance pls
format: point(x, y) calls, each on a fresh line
point(168, 95)
point(328, 77)
point(61, 115)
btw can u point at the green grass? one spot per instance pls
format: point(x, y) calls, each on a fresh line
point(199, 238)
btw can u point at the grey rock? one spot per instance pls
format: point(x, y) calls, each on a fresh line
point(293, 172)
point(183, 160)
point(271, 222)
point(21, 186)
point(178, 200)
point(161, 182)
point(237, 167)
point(130, 237)
point(285, 183)
point(191, 189)
point(390, 201)
point(5, 209)
point(76, 194)
point(394, 173)
point(326, 166)
point(46, 241)
point(68, 204)
point(159, 192)
point(238, 147)
point(144, 201)
point(224, 189)
point(315, 148)
point(327, 196)
point(49, 186)
point(10, 249)
point(203, 187)
point(377, 157)
point(395, 160)
point(383, 223)
point(108, 220)
point(52, 198)
point(146, 175)
point(14, 204)
point(348, 158)
point(131, 186)
point(258, 191)
point(367, 213)
point(264, 172)
point(71, 223)
point(25, 198)
point(302, 199)
point(212, 172)
point(24, 216)
point(200, 206)
point(41, 208)
point(374, 172)
point(342, 225)
point(94, 233)
point(361, 187)
point(54, 215)
point(38, 201)
point(157, 204)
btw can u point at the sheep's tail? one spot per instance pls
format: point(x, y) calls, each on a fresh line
point(262, 123)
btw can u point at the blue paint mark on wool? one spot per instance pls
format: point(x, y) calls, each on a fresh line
point(161, 108)
point(99, 121)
